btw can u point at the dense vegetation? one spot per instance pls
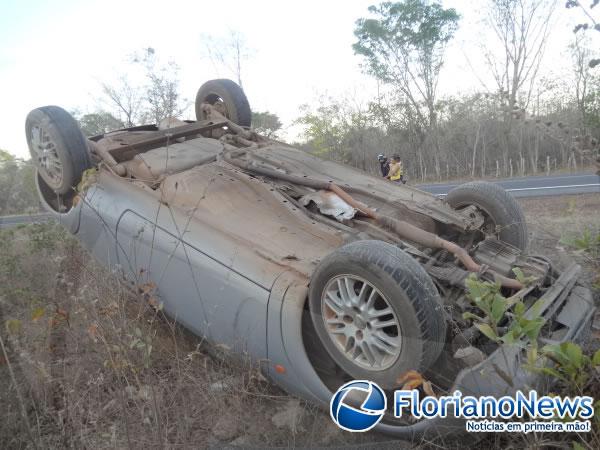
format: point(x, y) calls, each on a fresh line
point(17, 186)
point(526, 124)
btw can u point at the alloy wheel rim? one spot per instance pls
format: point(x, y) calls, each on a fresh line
point(46, 156)
point(361, 322)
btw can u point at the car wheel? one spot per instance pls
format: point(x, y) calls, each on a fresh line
point(503, 215)
point(229, 99)
point(376, 312)
point(57, 147)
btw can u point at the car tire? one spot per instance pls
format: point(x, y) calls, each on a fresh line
point(418, 334)
point(502, 212)
point(237, 108)
point(58, 148)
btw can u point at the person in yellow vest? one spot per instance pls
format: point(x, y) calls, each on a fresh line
point(396, 172)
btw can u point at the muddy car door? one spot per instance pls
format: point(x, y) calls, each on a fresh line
point(197, 288)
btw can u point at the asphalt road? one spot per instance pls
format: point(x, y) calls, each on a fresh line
point(579, 183)
point(10, 221)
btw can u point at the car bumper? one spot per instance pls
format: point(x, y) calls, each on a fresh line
point(568, 306)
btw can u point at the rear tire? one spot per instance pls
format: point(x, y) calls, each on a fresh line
point(504, 215)
point(230, 96)
point(405, 326)
point(58, 148)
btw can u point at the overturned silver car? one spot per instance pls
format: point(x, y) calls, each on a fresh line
point(319, 272)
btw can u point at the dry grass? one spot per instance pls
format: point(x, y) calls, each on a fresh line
point(555, 216)
point(555, 221)
point(97, 366)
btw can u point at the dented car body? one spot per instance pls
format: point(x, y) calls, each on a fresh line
point(234, 229)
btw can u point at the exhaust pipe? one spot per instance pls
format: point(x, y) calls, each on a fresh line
point(401, 228)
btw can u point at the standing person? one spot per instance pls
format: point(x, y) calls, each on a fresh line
point(384, 165)
point(396, 172)
point(402, 177)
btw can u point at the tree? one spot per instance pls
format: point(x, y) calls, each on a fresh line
point(162, 90)
point(581, 54)
point(403, 46)
point(587, 97)
point(521, 29)
point(266, 123)
point(18, 194)
point(324, 128)
point(590, 24)
point(126, 99)
point(343, 130)
point(157, 99)
point(100, 122)
point(228, 52)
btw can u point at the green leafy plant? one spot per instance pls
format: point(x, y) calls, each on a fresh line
point(587, 241)
point(571, 364)
point(520, 276)
point(486, 296)
point(578, 373)
point(567, 364)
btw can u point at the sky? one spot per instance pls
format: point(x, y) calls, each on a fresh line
point(59, 52)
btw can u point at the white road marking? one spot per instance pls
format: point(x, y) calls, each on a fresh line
point(553, 187)
point(543, 187)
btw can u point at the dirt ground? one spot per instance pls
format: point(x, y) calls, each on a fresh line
point(92, 364)
point(563, 214)
point(554, 222)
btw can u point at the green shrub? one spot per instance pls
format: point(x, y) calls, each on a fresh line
point(486, 296)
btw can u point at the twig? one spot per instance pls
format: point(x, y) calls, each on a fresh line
point(20, 397)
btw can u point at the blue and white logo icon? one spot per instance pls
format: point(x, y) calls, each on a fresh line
point(358, 405)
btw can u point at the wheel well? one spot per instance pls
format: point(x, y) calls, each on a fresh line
point(60, 203)
point(332, 375)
